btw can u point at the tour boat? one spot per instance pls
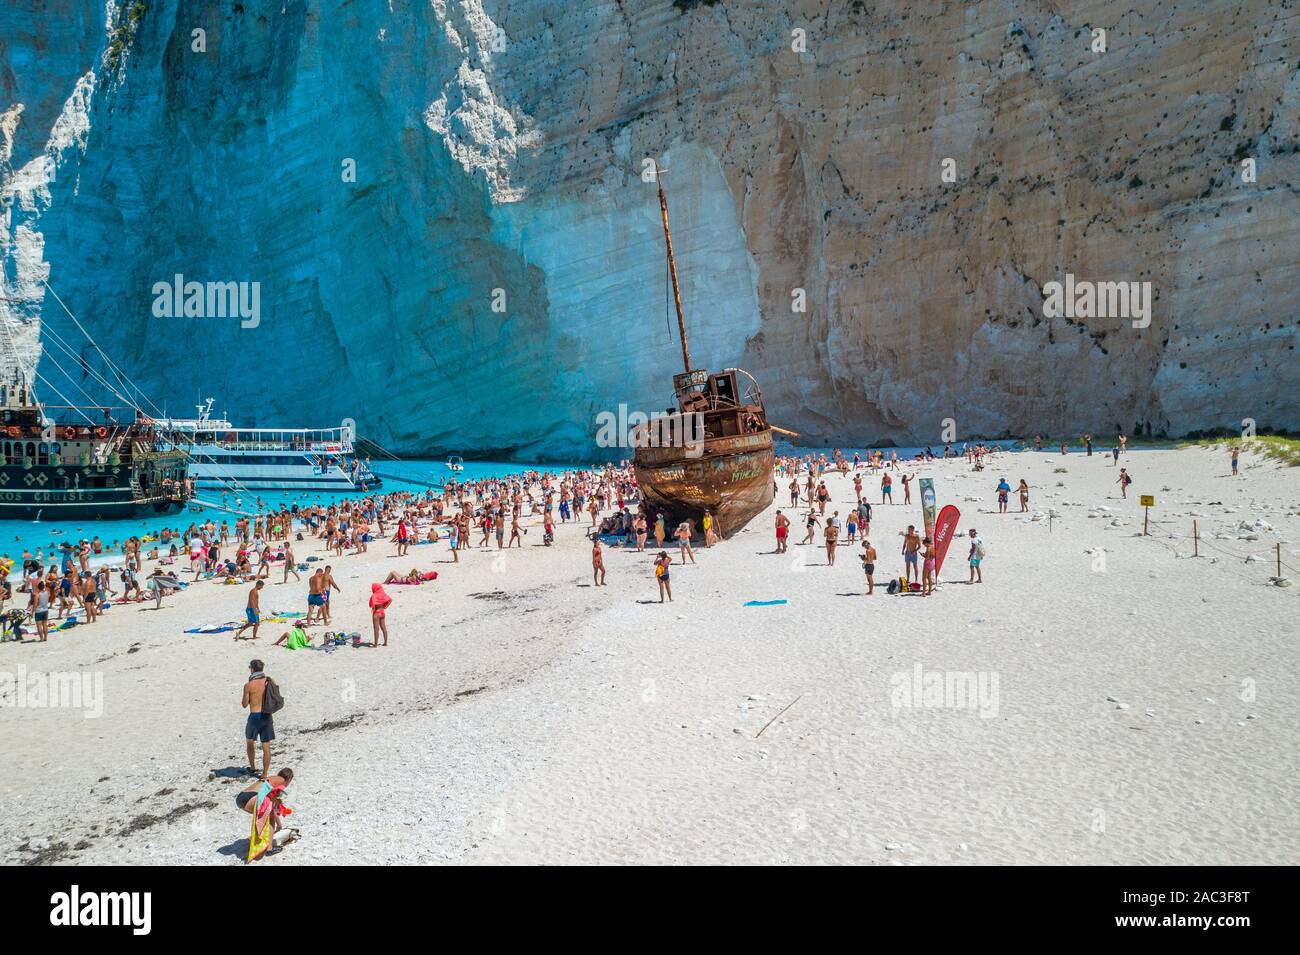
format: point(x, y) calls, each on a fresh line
point(226, 458)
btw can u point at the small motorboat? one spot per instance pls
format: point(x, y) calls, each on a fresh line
point(455, 463)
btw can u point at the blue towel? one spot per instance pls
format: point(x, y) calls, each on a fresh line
point(764, 603)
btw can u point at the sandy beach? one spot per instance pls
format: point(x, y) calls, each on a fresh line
point(1138, 703)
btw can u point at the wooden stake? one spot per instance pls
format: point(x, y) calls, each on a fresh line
point(1196, 543)
point(773, 719)
point(1279, 558)
point(1146, 516)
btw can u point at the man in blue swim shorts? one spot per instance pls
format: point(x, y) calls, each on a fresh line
point(253, 612)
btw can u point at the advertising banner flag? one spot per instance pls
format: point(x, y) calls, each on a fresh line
point(944, 529)
point(928, 506)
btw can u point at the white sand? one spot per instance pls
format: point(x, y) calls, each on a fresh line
point(566, 723)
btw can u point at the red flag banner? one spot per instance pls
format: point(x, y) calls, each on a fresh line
point(945, 527)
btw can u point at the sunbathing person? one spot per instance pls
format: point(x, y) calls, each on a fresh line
point(411, 577)
point(296, 639)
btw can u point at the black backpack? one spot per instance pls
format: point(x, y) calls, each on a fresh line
point(272, 698)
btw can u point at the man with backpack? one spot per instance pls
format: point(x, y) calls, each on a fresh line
point(262, 698)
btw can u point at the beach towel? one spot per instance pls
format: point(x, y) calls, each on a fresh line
point(297, 639)
point(212, 628)
point(379, 599)
point(259, 839)
point(764, 603)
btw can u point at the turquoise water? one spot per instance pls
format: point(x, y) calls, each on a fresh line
point(17, 536)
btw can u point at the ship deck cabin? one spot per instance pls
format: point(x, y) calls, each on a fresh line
point(719, 398)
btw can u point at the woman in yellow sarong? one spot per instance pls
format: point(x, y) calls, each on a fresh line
point(264, 802)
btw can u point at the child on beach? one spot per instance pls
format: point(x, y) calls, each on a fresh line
point(927, 568)
point(976, 557)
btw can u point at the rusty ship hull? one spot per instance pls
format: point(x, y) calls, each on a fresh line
point(732, 478)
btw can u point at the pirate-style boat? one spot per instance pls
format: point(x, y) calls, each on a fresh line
point(715, 450)
point(82, 463)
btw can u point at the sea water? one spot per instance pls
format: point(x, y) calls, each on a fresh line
point(16, 537)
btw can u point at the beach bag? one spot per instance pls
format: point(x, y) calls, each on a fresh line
point(979, 550)
point(893, 586)
point(272, 698)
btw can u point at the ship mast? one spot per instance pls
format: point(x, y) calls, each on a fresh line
point(672, 268)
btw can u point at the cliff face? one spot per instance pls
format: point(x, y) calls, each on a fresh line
point(492, 276)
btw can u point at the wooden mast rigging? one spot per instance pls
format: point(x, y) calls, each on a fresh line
point(672, 268)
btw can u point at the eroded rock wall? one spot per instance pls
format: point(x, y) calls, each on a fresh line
point(500, 146)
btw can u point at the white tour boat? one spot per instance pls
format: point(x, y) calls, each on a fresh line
point(226, 458)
